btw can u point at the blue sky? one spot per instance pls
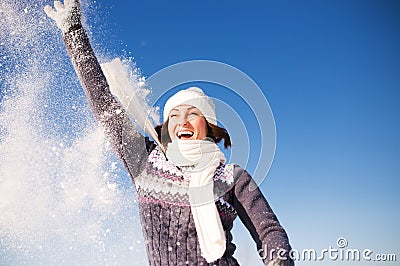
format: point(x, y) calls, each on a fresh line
point(330, 71)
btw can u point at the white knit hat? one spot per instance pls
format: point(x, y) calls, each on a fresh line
point(192, 96)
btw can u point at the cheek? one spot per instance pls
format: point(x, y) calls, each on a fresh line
point(201, 127)
point(171, 130)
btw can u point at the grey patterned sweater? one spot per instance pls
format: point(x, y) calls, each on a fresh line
point(164, 208)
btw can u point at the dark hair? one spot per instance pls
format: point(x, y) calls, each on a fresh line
point(214, 132)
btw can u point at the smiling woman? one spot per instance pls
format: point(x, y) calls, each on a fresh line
point(187, 122)
point(190, 115)
point(188, 196)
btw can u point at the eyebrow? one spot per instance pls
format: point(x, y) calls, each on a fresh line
point(189, 108)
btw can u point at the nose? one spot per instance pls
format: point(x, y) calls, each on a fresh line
point(183, 120)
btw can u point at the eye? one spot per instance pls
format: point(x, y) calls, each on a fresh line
point(192, 116)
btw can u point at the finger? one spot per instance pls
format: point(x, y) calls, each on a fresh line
point(58, 5)
point(49, 11)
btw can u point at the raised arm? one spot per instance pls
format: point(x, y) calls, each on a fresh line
point(129, 145)
point(258, 217)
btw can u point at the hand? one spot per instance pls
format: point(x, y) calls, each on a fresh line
point(67, 15)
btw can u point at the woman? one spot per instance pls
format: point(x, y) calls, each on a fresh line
point(188, 197)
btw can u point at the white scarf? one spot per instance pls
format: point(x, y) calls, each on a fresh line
point(205, 156)
point(130, 94)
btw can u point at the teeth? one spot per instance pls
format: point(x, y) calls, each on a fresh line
point(180, 133)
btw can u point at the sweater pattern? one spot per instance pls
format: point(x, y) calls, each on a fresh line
point(163, 183)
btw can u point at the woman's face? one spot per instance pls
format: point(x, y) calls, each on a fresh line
point(186, 122)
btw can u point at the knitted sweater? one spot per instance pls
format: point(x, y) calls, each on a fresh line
point(162, 190)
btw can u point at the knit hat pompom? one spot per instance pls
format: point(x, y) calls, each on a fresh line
point(192, 96)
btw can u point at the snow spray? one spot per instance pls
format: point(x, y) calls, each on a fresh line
point(64, 198)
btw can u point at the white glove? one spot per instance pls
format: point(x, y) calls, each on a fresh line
point(67, 15)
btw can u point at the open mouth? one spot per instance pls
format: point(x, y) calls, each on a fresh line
point(185, 134)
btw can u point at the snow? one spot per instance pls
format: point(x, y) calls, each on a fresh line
point(57, 206)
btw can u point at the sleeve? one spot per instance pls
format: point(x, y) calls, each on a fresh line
point(257, 216)
point(129, 145)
